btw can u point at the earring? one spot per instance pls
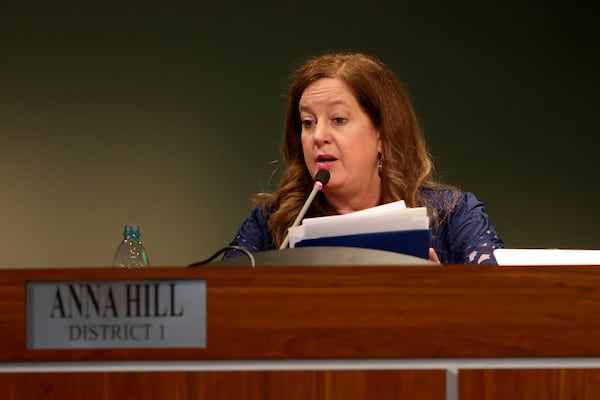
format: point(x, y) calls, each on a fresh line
point(380, 163)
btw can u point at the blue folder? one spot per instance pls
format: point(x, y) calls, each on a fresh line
point(413, 242)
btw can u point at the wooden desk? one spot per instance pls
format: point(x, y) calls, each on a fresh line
point(337, 332)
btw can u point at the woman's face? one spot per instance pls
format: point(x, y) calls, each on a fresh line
point(338, 135)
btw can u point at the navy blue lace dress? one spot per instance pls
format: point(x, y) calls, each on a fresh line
point(464, 235)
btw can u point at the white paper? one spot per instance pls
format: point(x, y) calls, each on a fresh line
point(385, 218)
point(546, 257)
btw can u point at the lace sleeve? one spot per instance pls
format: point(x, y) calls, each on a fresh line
point(253, 235)
point(472, 237)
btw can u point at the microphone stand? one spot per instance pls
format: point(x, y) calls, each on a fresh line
point(321, 179)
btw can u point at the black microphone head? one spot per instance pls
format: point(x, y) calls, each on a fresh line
point(322, 176)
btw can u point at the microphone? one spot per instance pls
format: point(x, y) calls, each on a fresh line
point(321, 178)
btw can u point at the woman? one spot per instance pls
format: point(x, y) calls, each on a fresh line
point(349, 114)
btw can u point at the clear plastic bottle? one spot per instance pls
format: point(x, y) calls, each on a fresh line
point(131, 252)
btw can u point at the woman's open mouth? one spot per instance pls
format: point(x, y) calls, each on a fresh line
point(325, 161)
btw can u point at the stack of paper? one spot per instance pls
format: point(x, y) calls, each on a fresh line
point(391, 227)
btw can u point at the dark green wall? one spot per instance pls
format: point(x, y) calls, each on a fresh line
point(170, 117)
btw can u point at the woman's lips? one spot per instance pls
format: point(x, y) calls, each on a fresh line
point(325, 161)
point(325, 164)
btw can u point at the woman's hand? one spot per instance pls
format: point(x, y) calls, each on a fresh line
point(433, 256)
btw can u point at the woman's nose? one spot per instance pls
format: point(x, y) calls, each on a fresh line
point(322, 134)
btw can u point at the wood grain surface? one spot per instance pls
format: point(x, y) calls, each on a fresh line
point(251, 385)
point(521, 384)
point(353, 312)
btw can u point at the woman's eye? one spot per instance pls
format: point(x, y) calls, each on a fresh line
point(339, 120)
point(307, 123)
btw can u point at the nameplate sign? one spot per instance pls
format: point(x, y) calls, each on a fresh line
point(116, 314)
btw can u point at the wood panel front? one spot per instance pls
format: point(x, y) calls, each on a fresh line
point(249, 385)
point(521, 384)
point(353, 312)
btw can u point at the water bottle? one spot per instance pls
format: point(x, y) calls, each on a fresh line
point(131, 252)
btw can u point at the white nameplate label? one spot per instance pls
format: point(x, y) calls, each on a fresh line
point(116, 314)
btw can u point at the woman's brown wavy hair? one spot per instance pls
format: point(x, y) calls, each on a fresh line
point(407, 165)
